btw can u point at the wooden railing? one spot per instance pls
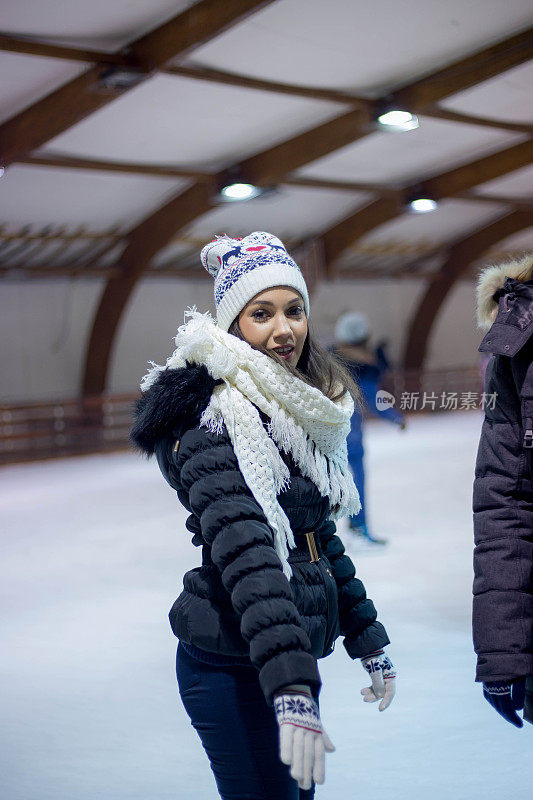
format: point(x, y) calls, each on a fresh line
point(51, 429)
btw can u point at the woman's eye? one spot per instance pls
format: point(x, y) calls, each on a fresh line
point(297, 309)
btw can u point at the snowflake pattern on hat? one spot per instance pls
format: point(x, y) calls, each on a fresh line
point(233, 272)
point(260, 258)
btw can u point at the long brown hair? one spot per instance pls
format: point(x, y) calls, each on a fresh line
point(316, 366)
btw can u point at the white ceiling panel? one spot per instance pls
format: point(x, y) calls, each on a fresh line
point(436, 146)
point(451, 220)
point(208, 126)
point(190, 122)
point(294, 212)
point(42, 196)
point(25, 79)
point(360, 46)
point(517, 184)
point(507, 97)
point(100, 24)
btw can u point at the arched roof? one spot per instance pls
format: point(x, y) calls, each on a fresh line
point(121, 120)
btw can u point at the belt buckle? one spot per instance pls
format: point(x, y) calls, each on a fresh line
point(311, 543)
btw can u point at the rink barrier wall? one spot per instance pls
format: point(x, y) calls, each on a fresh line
point(67, 427)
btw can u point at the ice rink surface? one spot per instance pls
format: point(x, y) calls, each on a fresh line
point(93, 553)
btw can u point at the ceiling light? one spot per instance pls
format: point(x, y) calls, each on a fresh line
point(421, 205)
point(396, 119)
point(121, 78)
point(240, 191)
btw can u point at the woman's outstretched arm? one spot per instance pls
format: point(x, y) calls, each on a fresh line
point(362, 632)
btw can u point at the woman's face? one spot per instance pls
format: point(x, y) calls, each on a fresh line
point(275, 318)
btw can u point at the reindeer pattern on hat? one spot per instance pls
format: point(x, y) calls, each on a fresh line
point(227, 258)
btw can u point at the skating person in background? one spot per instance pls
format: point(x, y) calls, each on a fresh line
point(367, 368)
point(248, 421)
point(503, 493)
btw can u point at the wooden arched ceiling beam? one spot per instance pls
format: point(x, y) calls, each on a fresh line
point(158, 230)
point(27, 45)
point(344, 233)
point(71, 103)
point(144, 242)
point(479, 67)
point(331, 95)
point(162, 170)
point(460, 256)
point(85, 94)
point(447, 184)
point(483, 122)
point(456, 77)
point(266, 167)
point(273, 164)
point(480, 171)
point(502, 56)
point(100, 165)
point(211, 75)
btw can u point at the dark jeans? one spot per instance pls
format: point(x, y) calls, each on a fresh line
point(356, 461)
point(238, 730)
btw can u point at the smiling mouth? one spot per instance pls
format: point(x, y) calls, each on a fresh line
point(284, 352)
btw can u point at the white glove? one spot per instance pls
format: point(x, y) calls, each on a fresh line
point(383, 676)
point(303, 741)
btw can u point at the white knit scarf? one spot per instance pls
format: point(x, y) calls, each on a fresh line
point(303, 421)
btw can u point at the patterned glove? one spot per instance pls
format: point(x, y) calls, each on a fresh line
point(303, 741)
point(383, 676)
point(507, 697)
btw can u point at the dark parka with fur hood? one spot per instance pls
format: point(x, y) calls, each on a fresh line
point(239, 602)
point(503, 485)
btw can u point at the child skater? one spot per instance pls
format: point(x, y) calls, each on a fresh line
point(248, 420)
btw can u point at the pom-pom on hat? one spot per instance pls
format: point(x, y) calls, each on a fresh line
point(352, 328)
point(243, 267)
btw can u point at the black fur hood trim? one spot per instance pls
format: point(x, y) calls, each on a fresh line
point(173, 403)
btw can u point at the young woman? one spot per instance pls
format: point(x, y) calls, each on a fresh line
point(248, 420)
point(503, 493)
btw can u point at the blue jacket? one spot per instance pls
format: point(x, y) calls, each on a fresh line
point(368, 378)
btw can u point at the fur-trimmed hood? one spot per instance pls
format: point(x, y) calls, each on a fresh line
point(493, 278)
point(171, 404)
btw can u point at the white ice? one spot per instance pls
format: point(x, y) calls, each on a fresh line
point(93, 553)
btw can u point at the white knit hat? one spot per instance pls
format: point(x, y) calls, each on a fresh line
point(352, 328)
point(243, 267)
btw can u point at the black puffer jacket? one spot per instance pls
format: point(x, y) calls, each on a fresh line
point(503, 485)
point(239, 602)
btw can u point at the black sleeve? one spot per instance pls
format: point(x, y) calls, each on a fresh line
point(363, 634)
point(205, 468)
